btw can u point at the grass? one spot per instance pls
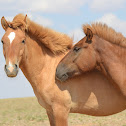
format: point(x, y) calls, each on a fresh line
point(27, 112)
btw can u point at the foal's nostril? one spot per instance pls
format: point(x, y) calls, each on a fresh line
point(5, 67)
point(16, 66)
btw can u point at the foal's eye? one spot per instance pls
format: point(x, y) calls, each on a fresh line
point(23, 41)
point(2, 41)
point(76, 49)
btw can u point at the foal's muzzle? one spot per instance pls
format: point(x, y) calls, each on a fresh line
point(11, 70)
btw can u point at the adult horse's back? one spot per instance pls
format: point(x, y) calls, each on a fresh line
point(37, 51)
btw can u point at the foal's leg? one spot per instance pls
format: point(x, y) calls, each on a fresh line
point(51, 118)
point(61, 115)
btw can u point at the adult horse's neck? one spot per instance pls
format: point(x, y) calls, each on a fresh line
point(113, 61)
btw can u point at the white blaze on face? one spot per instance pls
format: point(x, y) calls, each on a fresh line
point(11, 68)
point(10, 64)
point(11, 37)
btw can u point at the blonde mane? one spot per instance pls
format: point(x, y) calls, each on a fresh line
point(55, 41)
point(107, 33)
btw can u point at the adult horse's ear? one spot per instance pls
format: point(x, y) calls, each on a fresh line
point(4, 23)
point(89, 36)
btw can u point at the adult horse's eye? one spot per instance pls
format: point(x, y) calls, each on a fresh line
point(76, 49)
point(23, 41)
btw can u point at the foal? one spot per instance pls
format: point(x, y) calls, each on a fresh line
point(103, 49)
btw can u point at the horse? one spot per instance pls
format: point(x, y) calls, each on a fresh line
point(103, 49)
point(37, 50)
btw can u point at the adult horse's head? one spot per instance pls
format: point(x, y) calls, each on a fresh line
point(13, 46)
point(81, 58)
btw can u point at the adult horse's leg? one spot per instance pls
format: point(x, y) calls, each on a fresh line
point(61, 115)
point(51, 118)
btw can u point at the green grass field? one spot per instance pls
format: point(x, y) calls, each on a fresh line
point(27, 112)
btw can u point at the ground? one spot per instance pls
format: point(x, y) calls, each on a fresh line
point(27, 112)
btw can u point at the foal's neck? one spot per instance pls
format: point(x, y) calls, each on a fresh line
point(38, 63)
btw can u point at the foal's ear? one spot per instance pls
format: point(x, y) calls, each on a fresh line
point(4, 23)
point(25, 19)
point(89, 35)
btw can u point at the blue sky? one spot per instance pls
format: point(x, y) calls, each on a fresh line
point(65, 16)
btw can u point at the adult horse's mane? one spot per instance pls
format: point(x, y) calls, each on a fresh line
point(55, 41)
point(107, 33)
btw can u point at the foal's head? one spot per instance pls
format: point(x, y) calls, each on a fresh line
point(81, 58)
point(13, 47)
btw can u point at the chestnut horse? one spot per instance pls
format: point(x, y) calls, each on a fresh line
point(103, 49)
point(37, 51)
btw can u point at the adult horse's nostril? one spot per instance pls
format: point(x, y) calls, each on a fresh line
point(56, 71)
point(64, 75)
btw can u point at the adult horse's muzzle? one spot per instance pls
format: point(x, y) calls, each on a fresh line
point(62, 72)
point(11, 70)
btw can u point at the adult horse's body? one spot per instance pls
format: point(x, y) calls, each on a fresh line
point(103, 49)
point(35, 50)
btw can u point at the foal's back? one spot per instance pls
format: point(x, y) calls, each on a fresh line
point(93, 94)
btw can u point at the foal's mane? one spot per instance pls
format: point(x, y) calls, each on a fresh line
point(55, 41)
point(107, 33)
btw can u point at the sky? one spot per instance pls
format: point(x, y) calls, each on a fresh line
point(66, 16)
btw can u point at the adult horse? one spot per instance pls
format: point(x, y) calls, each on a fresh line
point(37, 51)
point(103, 49)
